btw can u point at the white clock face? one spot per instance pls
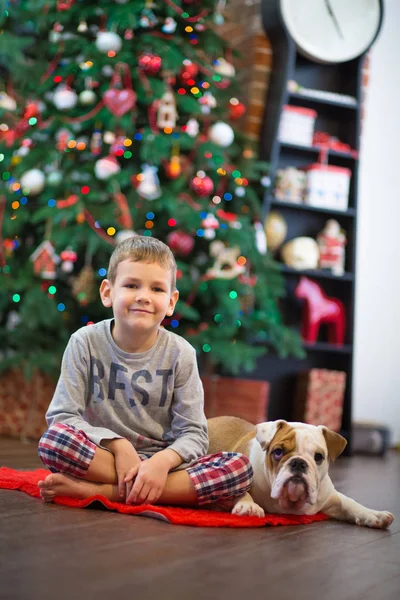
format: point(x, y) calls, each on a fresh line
point(332, 31)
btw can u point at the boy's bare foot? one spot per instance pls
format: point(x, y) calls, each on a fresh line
point(58, 484)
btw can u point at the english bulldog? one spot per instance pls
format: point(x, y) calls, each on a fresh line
point(290, 463)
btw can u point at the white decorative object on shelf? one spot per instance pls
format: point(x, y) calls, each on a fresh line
point(290, 185)
point(327, 186)
point(301, 253)
point(297, 125)
point(344, 99)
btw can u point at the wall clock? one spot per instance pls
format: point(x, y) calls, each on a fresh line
point(332, 31)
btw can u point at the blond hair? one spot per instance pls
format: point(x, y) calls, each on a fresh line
point(140, 248)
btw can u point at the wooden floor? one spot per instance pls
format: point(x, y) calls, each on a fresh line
point(57, 553)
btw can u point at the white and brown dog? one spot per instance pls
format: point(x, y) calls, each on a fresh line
point(290, 463)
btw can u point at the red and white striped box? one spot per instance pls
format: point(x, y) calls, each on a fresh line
point(319, 398)
point(297, 125)
point(327, 186)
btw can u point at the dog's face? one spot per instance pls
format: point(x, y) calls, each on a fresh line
point(297, 457)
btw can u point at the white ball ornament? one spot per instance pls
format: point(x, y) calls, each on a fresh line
point(108, 41)
point(106, 167)
point(87, 97)
point(33, 180)
point(54, 178)
point(221, 134)
point(123, 235)
point(65, 99)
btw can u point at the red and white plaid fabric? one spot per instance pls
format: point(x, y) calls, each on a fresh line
point(216, 477)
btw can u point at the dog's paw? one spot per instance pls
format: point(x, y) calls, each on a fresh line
point(246, 507)
point(376, 519)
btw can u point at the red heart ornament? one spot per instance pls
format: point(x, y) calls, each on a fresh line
point(118, 101)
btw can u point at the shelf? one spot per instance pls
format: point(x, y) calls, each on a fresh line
point(316, 101)
point(317, 274)
point(350, 212)
point(325, 347)
point(316, 150)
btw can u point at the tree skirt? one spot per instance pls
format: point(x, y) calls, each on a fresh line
point(26, 481)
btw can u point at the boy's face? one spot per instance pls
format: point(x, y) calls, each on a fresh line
point(141, 297)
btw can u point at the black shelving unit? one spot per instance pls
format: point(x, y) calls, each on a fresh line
point(340, 120)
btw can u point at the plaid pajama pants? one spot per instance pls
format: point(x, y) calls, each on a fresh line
point(216, 477)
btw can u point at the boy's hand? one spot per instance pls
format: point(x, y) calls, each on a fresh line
point(151, 477)
point(127, 463)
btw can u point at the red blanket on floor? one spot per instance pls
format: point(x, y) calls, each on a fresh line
point(26, 481)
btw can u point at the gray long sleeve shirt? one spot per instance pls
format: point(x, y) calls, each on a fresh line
point(154, 398)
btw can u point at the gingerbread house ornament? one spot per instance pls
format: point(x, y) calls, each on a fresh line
point(167, 114)
point(45, 260)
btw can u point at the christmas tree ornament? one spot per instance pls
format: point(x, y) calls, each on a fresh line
point(150, 63)
point(33, 181)
point(201, 184)
point(169, 25)
point(120, 100)
point(181, 243)
point(275, 228)
point(65, 98)
point(109, 137)
point(147, 16)
point(124, 234)
point(210, 224)
point(226, 264)
point(63, 136)
point(219, 18)
point(54, 178)
point(149, 184)
point(87, 97)
point(7, 102)
point(108, 41)
point(207, 102)
point(261, 238)
point(189, 70)
point(224, 68)
point(84, 286)
point(45, 260)
point(106, 167)
point(236, 109)
point(129, 35)
point(82, 27)
point(13, 320)
point(221, 134)
point(173, 168)
point(96, 142)
point(68, 258)
point(166, 112)
point(191, 127)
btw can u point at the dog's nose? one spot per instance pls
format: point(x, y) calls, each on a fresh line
point(298, 465)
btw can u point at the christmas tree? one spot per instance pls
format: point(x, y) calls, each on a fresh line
point(120, 119)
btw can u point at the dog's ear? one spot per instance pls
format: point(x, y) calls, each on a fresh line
point(334, 442)
point(265, 432)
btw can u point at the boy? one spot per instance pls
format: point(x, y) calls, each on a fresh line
point(126, 420)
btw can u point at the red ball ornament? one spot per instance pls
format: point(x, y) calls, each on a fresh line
point(189, 70)
point(202, 186)
point(180, 242)
point(236, 110)
point(150, 63)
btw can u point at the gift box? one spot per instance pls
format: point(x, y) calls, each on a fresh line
point(290, 185)
point(319, 398)
point(297, 125)
point(23, 404)
point(327, 186)
point(230, 396)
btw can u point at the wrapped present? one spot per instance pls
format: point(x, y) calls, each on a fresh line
point(290, 185)
point(23, 404)
point(297, 125)
point(319, 398)
point(230, 396)
point(327, 186)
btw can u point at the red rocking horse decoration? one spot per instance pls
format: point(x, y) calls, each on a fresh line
point(319, 308)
